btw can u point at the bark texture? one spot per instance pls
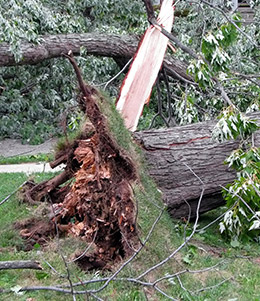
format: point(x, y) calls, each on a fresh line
point(112, 45)
point(22, 264)
point(184, 160)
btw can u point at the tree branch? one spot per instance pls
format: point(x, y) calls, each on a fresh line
point(105, 45)
point(20, 264)
point(149, 9)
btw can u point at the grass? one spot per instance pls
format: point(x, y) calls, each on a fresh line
point(26, 159)
point(240, 266)
point(243, 272)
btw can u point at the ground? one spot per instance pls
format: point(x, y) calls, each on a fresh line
point(14, 147)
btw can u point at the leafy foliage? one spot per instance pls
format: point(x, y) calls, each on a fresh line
point(232, 125)
point(46, 90)
point(33, 99)
point(242, 196)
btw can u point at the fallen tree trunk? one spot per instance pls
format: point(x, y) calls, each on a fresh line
point(107, 45)
point(184, 160)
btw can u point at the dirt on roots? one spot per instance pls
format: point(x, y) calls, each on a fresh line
point(97, 204)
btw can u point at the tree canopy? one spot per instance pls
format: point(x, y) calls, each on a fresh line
point(208, 33)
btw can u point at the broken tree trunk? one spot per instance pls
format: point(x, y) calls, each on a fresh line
point(137, 86)
point(181, 158)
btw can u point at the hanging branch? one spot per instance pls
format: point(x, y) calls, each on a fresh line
point(149, 9)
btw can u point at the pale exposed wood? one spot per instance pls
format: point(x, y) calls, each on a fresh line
point(138, 83)
point(175, 154)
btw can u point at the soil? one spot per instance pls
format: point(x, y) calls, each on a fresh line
point(35, 231)
point(92, 198)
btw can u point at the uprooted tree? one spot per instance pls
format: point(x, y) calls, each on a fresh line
point(100, 199)
point(93, 198)
point(181, 97)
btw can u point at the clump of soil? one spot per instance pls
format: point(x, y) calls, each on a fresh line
point(98, 205)
point(35, 231)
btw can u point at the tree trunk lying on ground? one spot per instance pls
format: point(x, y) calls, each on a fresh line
point(181, 158)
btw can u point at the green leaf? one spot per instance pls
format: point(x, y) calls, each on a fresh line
point(235, 243)
point(187, 259)
point(41, 275)
point(37, 246)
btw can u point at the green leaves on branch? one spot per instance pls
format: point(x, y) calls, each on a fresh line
point(232, 125)
point(242, 196)
point(244, 162)
point(201, 73)
point(27, 19)
point(214, 57)
point(215, 45)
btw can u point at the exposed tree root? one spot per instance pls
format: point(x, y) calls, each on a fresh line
point(99, 205)
point(35, 231)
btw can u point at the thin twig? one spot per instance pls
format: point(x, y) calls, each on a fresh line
point(211, 287)
point(164, 294)
point(11, 194)
point(96, 297)
point(54, 270)
point(86, 250)
point(114, 77)
point(62, 256)
point(185, 242)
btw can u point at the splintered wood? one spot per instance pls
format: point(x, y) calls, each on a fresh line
point(138, 83)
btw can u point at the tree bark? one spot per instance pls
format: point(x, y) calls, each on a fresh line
point(184, 160)
point(20, 264)
point(112, 45)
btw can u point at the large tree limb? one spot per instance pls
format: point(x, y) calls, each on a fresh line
point(53, 46)
point(112, 45)
point(178, 157)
